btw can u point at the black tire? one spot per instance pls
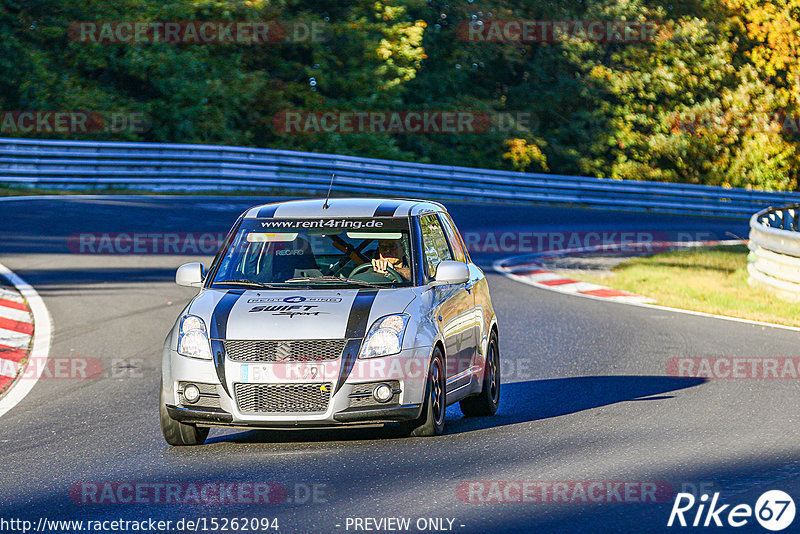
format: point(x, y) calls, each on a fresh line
point(177, 433)
point(431, 422)
point(488, 400)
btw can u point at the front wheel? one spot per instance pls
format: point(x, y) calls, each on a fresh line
point(488, 400)
point(177, 433)
point(431, 422)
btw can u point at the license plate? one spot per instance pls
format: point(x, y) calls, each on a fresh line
point(282, 372)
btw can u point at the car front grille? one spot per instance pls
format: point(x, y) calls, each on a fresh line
point(282, 398)
point(305, 350)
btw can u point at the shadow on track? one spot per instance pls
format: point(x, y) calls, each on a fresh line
point(520, 402)
point(542, 399)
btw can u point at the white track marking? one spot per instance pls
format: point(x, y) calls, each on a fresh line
point(499, 266)
point(5, 294)
point(16, 340)
point(41, 340)
point(9, 369)
point(15, 314)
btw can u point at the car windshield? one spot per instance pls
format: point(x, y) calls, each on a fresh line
point(287, 253)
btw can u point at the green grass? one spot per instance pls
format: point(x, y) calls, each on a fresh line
point(706, 279)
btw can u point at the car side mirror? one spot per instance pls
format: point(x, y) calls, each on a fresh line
point(451, 272)
point(190, 275)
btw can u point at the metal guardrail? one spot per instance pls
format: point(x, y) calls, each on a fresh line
point(774, 260)
point(164, 167)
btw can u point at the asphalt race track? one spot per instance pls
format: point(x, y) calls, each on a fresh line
point(586, 396)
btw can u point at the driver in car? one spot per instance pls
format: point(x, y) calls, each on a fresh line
point(391, 254)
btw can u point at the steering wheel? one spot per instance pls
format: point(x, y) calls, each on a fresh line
point(390, 272)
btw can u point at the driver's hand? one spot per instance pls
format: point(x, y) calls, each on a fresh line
point(380, 265)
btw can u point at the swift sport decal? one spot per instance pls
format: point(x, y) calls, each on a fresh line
point(355, 332)
point(290, 310)
point(292, 306)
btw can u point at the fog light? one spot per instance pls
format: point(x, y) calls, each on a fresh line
point(191, 393)
point(382, 393)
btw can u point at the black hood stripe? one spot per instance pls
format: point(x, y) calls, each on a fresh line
point(359, 313)
point(222, 311)
point(218, 331)
point(267, 212)
point(356, 330)
point(387, 208)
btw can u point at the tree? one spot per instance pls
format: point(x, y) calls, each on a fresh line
point(683, 108)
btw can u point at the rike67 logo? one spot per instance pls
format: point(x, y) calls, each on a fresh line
point(774, 510)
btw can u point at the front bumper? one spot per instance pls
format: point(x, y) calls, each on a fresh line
point(347, 404)
point(215, 417)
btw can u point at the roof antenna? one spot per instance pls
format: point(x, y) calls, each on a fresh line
point(325, 206)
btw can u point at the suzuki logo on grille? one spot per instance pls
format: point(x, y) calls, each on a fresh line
point(283, 351)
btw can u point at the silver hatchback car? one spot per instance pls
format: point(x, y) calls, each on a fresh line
point(327, 313)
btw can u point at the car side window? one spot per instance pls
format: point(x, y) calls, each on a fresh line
point(455, 242)
point(434, 244)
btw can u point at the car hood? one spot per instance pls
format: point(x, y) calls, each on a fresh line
point(304, 314)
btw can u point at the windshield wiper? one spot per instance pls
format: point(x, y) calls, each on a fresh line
point(251, 283)
point(328, 278)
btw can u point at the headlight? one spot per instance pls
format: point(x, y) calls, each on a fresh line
point(385, 337)
point(193, 341)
